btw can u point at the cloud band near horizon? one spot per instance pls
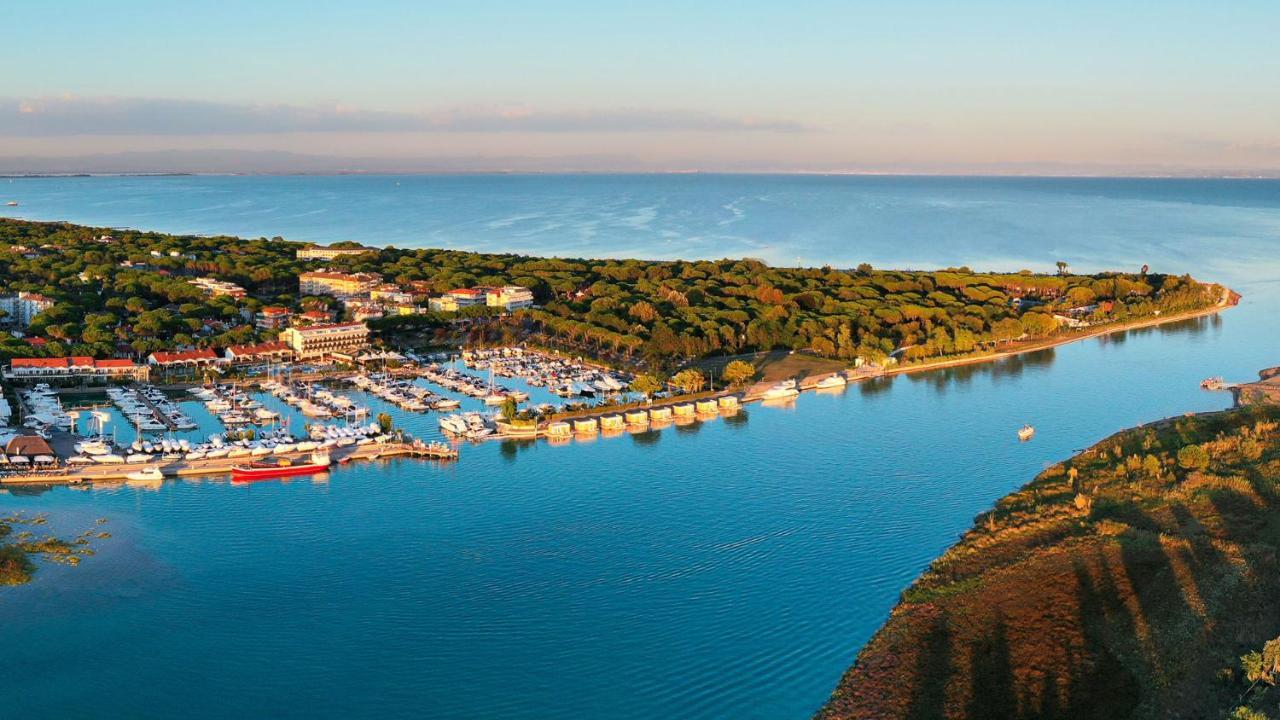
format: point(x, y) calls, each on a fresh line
point(70, 115)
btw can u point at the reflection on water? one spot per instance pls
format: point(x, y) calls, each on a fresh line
point(723, 569)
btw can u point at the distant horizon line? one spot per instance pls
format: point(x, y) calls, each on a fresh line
point(653, 173)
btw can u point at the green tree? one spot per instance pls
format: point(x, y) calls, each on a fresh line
point(738, 372)
point(689, 380)
point(509, 408)
point(1038, 324)
point(385, 422)
point(646, 385)
point(1193, 457)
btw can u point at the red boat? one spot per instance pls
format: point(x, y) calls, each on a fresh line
point(281, 467)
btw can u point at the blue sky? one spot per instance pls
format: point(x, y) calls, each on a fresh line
point(752, 85)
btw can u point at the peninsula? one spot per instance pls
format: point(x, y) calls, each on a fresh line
point(110, 293)
point(1135, 580)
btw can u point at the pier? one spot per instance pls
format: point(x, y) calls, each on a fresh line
point(155, 411)
point(118, 472)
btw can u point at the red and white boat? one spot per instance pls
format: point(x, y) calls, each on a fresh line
point(281, 467)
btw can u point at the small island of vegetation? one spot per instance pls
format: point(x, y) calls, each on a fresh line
point(1135, 580)
point(18, 547)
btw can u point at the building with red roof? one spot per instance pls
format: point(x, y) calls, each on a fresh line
point(184, 358)
point(262, 352)
point(76, 367)
point(272, 317)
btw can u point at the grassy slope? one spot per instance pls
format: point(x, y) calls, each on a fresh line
point(1126, 605)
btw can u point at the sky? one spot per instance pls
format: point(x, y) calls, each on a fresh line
point(1030, 87)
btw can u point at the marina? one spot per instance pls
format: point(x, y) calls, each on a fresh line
point(555, 578)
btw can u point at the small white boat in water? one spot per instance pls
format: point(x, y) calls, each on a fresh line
point(782, 391)
point(147, 474)
point(1026, 432)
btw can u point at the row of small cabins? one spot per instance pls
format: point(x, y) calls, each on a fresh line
point(640, 417)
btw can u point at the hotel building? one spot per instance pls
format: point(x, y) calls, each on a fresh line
point(76, 367)
point(319, 341)
point(337, 284)
point(24, 306)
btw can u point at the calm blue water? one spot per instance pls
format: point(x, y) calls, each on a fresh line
point(725, 569)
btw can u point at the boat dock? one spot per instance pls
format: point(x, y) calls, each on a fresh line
point(159, 416)
point(118, 472)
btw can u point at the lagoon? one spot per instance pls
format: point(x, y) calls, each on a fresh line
point(728, 568)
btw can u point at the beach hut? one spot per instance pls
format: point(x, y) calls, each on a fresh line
point(728, 402)
point(611, 422)
point(705, 407)
point(683, 410)
point(588, 426)
point(660, 414)
point(637, 417)
point(558, 429)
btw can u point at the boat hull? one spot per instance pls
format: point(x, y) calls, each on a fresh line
point(249, 472)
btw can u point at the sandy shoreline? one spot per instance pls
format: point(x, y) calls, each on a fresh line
point(1229, 300)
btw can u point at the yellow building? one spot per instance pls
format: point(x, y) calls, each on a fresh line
point(337, 284)
point(319, 341)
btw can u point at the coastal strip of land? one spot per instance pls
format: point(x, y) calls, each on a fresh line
point(1134, 580)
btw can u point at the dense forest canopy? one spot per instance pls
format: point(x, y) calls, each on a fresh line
point(132, 290)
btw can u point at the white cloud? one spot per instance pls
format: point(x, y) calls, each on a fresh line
point(68, 115)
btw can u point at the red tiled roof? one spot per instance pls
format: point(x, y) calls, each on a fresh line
point(164, 357)
point(316, 314)
point(39, 363)
point(275, 310)
point(469, 292)
point(36, 341)
point(70, 362)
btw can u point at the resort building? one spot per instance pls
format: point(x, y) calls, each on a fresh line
point(444, 303)
point(215, 288)
point(390, 295)
point(401, 309)
point(317, 252)
point(510, 297)
point(184, 358)
point(76, 367)
point(24, 306)
point(455, 300)
point(262, 352)
point(367, 312)
point(337, 284)
point(313, 317)
point(272, 317)
point(319, 341)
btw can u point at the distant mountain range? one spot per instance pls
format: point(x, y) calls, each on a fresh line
point(231, 161)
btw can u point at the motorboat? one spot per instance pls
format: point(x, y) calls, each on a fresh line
point(281, 467)
point(93, 447)
point(1026, 432)
point(831, 381)
point(150, 473)
point(782, 391)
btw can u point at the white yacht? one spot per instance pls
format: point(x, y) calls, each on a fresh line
point(782, 391)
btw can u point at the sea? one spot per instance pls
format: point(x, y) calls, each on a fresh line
point(727, 568)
